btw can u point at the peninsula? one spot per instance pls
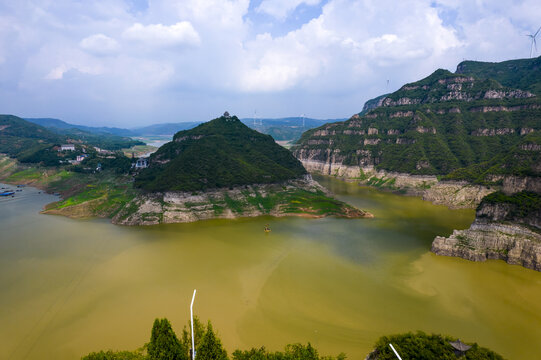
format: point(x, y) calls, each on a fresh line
point(220, 169)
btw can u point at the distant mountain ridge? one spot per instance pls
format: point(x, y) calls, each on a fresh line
point(33, 143)
point(20, 138)
point(60, 124)
point(288, 128)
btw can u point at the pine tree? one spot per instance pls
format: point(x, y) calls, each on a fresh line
point(210, 347)
point(164, 344)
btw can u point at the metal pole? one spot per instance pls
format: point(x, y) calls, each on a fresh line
point(398, 356)
point(191, 315)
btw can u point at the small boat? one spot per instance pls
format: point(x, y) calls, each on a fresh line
point(267, 228)
point(7, 193)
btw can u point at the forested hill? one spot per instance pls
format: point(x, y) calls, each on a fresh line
point(523, 74)
point(220, 153)
point(19, 138)
point(434, 126)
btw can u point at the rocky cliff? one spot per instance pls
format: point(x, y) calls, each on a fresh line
point(453, 194)
point(506, 228)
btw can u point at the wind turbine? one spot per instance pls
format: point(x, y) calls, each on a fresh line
point(534, 43)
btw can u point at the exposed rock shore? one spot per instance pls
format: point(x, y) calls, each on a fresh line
point(453, 194)
point(512, 243)
point(292, 198)
point(496, 234)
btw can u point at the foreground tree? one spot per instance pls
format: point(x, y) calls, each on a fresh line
point(164, 344)
point(199, 330)
point(210, 347)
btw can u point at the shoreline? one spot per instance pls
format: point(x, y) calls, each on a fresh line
point(112, 196)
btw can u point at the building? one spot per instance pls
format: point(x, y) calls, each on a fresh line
point(67, 147)
point(81, 157)
point(141, 163)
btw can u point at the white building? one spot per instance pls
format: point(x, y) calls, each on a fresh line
point(141, 163)
point(67, 147)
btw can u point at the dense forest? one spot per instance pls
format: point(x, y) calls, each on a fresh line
point(220, 153)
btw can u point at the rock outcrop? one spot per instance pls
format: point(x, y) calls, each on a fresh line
point(512, 243)
point(506, 230)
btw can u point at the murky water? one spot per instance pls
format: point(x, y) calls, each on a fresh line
point(69, 287)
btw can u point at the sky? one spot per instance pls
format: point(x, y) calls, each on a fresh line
point(132, 63)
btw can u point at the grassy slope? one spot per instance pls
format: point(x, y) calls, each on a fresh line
point(100, 195)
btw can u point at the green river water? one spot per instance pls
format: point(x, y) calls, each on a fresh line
point(69, 287)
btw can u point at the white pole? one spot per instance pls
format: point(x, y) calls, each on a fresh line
point(398, 356)
point(191, 314)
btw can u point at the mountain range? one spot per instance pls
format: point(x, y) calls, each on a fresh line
point(288, 128)
point(458, 124)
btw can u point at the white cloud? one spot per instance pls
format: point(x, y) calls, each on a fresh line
point(326, 67)
point(181, 33)
point(58, 72)
point(99, 44)
point(281, 9)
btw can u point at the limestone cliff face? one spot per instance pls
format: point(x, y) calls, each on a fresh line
point(497, 233)
point(453, 194)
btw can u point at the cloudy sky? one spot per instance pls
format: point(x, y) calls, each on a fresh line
point(136, 62)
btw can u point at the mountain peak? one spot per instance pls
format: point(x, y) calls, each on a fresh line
point(219, 153)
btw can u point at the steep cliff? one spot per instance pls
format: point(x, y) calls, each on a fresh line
point(507, 227)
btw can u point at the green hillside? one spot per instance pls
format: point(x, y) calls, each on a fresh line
point(220, 153)
point(20, 138)
point(523, 74)
point(522, 159)
point(434, 126)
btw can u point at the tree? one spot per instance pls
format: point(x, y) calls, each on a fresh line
point(199, 331)
point(164, 344)
point(210, 347)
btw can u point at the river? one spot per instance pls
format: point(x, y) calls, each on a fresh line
point(69, 287)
